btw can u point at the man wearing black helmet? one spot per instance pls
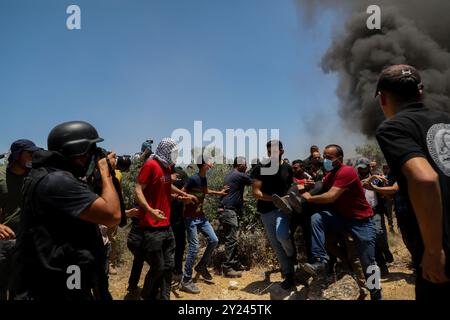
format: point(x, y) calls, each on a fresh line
point(59, 235)
point(415, 141)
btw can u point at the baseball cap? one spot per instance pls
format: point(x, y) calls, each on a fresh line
point(362, 163)
point(401, 78)
point(21, 145)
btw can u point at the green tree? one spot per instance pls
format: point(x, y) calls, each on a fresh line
point(371, 151)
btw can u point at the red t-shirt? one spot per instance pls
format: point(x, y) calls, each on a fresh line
point(352, 203)
point(157, 192)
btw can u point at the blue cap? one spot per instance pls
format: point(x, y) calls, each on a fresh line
point(18, 146)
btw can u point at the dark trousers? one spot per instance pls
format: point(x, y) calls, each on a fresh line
point(228, 219)
point(303, 221)
point(179, 232)
point(6, 254)
point(382, 251)
point(389, 204)
point(159, 251)
point(426, 290)
point(135, 243)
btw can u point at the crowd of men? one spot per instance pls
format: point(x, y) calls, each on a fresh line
point(59, 205)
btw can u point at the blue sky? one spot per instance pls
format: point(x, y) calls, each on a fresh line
point(139, 69)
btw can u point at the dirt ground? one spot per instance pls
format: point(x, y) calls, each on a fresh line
point(263, 283)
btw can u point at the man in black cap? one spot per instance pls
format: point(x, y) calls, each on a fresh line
point(416, 144)
point(60, 253)
point(11, 182)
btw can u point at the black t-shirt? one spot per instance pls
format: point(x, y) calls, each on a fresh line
point(416, 131)
point(235, 197)
point(62, 194)
point(278, 183)
point(53, 237)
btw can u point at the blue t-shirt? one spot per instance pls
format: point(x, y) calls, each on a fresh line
point(235, 197)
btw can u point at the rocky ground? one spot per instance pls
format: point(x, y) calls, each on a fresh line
point(263, 283)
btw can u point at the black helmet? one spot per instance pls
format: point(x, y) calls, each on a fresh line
point(73, 138)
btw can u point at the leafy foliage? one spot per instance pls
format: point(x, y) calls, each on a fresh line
point(371, 151)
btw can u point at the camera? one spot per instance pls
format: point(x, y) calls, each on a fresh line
point(123, 162)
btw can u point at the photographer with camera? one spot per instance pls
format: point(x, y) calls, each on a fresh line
point(60, 253)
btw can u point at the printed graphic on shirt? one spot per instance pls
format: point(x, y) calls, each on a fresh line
point(438, 142)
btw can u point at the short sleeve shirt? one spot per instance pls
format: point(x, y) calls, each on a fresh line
point(157, 192)
point(278, 183)
point(352, 204)
point(416, 131)
point(195, 185)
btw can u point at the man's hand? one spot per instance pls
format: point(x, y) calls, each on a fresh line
point(132, 213)
point(157, 214)
point(102, 164)
point(367, 184)
point(309, 183)
point(6, 233)
point(192, 198)
point(224, 190)
point(433, 267)
point(307, 196)
point(188, 199)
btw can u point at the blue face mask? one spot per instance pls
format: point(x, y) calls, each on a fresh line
point(328, 165)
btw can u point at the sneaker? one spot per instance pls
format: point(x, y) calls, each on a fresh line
point(288, 283)
point(296, 202)
point(203, 271)
point(281, 203)
point(240, 267)
point(316, 268)
point(231, 273)
point(189, 287)
point(376, 295)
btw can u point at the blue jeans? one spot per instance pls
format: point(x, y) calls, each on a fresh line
point(363, 232)
point(193, 225)
point(276, 224)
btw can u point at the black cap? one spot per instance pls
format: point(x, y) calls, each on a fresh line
point(18, 146)
point(401, 79)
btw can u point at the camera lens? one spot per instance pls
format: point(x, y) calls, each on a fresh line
point(123, 163)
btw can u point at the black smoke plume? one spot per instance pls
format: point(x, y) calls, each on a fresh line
point(412, 32)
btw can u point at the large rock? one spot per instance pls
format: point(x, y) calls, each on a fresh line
point(334, 288)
